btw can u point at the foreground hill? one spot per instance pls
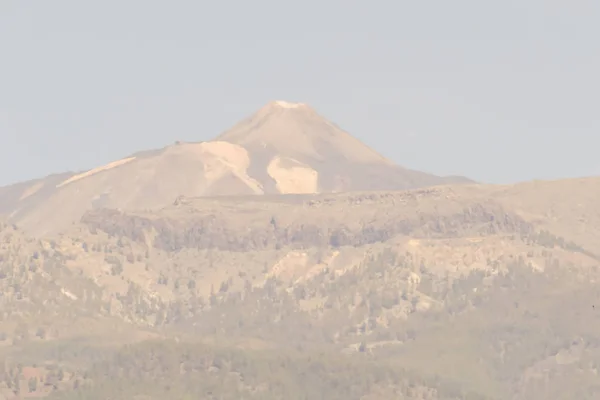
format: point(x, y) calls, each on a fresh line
point(452, 292)
point(282, 148)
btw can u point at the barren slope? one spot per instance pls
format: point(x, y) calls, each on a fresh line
point(140, 182)
point(293, 139)
point(283, 148)
point(567, 207)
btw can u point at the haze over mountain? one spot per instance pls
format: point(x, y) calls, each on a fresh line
point(223, 246)
point(454, 292)
point(230, 269)
point(235, 268)
point(283, 148)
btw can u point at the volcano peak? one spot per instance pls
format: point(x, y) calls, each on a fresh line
point(286, 104)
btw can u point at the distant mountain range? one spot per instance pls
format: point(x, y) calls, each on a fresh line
point(231, 269)
point(283, 148)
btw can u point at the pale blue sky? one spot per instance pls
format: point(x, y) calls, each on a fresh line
point(499, 91)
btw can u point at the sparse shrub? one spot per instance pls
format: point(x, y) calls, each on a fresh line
point(32, 384)
point(116, 269)
point(41, 333)
point(224, 287)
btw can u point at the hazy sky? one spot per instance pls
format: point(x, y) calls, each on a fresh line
point(499, 91)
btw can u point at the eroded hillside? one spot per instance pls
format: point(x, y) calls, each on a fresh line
point(443, 293)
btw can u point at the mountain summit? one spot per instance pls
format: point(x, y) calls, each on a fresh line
point(296, 143)
point(283, 148)
point(297, 130)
